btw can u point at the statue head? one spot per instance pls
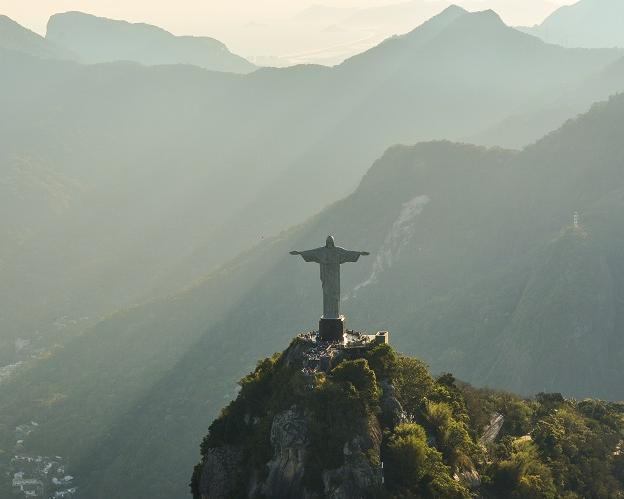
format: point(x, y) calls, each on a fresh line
point(330, 242)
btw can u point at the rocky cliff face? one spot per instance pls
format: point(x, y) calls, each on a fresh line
point(223, 464)
point(357, 420)
point(290, 438)
point(358, 476)
point(292, 449)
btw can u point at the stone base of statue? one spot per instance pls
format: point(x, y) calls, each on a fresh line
point(332, 329)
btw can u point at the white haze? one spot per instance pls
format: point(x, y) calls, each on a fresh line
point(280, 32)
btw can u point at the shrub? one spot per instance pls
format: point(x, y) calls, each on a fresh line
point(411, 466)
point(360, 376)
point(383, 360)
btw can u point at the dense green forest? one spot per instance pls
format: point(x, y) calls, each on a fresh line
point(436, 437)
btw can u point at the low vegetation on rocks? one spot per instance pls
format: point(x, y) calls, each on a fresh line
point(375, 423)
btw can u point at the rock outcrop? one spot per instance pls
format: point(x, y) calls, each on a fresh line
point(392, 409)
point(221, 469)
point(356, 420)
point(289, 440)
point(358, 476)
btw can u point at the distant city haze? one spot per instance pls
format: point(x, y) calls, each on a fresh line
point(280, 32)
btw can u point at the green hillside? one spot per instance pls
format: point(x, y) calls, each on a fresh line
point(375, 424)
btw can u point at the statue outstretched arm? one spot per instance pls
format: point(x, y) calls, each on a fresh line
point(309, 255)
point(351, 256)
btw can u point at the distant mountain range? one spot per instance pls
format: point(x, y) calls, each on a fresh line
point(135, 150)
point(17, 38)
point(80, 37)
point(121, 184)
point(347, 29)
point(475, 265)
point(587, 23)
point(97, 39)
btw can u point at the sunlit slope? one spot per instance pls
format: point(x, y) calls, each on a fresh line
point(488, 279)
point(474, 267)
point(180, 168)
point(453, 73)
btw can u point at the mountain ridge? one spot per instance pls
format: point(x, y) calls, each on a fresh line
point(15, 37)
point(573, 25)
point(99, 39)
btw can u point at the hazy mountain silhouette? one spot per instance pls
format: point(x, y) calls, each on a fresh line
point(15, 37)
point(533, 122)
point(475, 266)
point(97, 39)
point(362, 26)
point(587, 23)
point(178, 169)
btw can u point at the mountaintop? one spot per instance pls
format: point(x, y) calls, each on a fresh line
point(15, 37)
point(587, 23)
point(98, 39)
point(356, 419)
point(453, 23)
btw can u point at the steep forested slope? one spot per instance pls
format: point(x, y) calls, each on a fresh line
point(475, 267)
point(366, 422)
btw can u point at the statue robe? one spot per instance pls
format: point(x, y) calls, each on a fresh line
point(330, 259)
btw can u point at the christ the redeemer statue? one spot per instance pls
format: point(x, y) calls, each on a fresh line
point(330, 257)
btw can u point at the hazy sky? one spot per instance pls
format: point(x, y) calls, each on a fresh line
point(201, 16)
point(256, 28)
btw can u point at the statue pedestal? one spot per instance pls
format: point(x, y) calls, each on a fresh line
point(332, 329)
